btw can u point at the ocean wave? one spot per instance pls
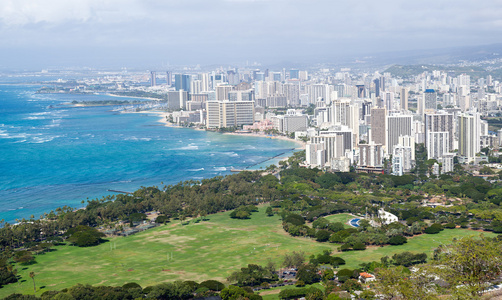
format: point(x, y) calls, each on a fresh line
point(44, 139)
point(41, 113)
point(196, 170)
point(232, 154)
point(6, 135)
point(220, 168)
point(190, 147)
point(133, 138)
point(35, 118)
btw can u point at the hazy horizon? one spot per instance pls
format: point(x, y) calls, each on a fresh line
point(136, 33)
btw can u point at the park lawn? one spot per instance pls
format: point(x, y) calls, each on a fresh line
point(212, 249)
point(343, 218)
point(417, 244)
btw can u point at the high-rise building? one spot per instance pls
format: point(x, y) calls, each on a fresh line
point(317, 91)
point(204, 78)
point(404, 99)
point(177, 100)
point(469, 127)
point(294, 74)
point(169, 78)
point(401, 160)
point(378, 126)
point(243, 95)
point(292, 93)
point(290, 123)
point(397, 125)
point(334, 145)
point(275, 76)
point(153, 78)
point(276, 101)
point(233, 77)
point(428, 102)
point(222, 91)
point(196, 87)
point(408, 141)
point(182, 82)
point(315, 154)
point(370, 155)
point(437, 144)
point(222, 114)
point(361, 91)
point(440, 122)
point(388, 100)
point(377, 87)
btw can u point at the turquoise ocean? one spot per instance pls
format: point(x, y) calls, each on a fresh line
point(53, 154)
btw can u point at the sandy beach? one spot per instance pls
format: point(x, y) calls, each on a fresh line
point(164, 115)
point(301, 145)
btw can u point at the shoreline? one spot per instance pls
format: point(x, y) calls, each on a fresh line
point(300, 145)
point(163, 119)
point(133, 97)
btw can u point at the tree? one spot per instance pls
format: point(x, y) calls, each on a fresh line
point(24, 257)
point(399, 283)
point(320, 223)
point(322, 235)
point(253, 275)
point(233, 292)
point(327, 274)
point(84, 236)
point(308, 274)
point(397, 240)
point(32, 276)
point(408, 259)
point(213, 285)
point(269, 211)
point(434, 229)
point(485, 170)
point(294, 259)
point(470, 261)
point(359, 246)
point(351, 285)
point(345, 274)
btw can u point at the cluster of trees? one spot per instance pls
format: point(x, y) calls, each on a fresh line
point(254, 275)
point(84, 236)
point(310, 292)
point(172, 290)
point(325, 258)
point(243, 212)
point(462, 270)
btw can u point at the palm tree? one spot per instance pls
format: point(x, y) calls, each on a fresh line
point(32, 275)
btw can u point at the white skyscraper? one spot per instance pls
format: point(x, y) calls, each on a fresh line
point(440, 122)
point(437, 144)
point(469, 127)
point(229, 113)
point(397, 125)
point(370, 155)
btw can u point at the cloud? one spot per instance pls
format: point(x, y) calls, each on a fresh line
point(280, 28)
point(24, 12)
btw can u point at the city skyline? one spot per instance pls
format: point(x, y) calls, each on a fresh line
point(161, 33)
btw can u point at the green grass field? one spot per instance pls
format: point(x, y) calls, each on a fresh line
point(343, 218)
point(208, 250)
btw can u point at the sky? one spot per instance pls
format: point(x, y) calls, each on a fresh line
point(144, 33)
